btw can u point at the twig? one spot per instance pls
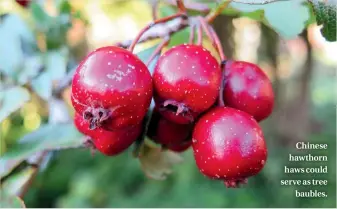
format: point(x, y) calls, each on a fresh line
point(196, 6)
point(160, 31)
point(212, 15)
point(146, 28)
point(181, 6)
point(253, 2)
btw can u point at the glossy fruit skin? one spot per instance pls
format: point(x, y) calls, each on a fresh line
point(112, 143)
point(180, 147)
point(108, 142)
point(188, 77)
point(23, 3)
point(112, 88)
point(247, 88)
point(81, 124)
point(229, 145)
point(169, 133)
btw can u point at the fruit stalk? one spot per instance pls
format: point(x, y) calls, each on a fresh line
point(146, 28)
point(164, 43)
point(217, 41)
point(199, 29)
point(212, 36)
point(221, 102)
point(192, 34)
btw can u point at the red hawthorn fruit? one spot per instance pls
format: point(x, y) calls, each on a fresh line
point(229, 145)
point(247, 88)
point(108, 142)
point(114, 142)
point(81, 125)
point(186, 82)
point(169, 133)
point(23, 3)
point(112, 88)
point(180, 147)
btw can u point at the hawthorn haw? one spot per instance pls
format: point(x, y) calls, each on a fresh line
point(247, 88)
point(229, 145)
point(169, 133)
point(114, 142)
point(111, 88)
point(108, 142)
point(82, 125)
point(180, 147)
point(186, 82)
point(23, 3)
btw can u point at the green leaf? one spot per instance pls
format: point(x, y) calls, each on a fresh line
point(32, 66)
point(12, 99)
point(48, 137)
point(180, 37)
point(79, 15)
point(3, 145)
point(9, 201)
point(8, 166)
point(56, 34)
point(288, 18)
point(42, 85)
point(56, 63)
point(11, 53)
point(145, 55)
point(157, 163)
point(13, 185)
point(64, 7)
point(41, 18)
point(325, 13)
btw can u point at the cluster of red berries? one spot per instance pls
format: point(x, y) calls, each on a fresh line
point(112, 91)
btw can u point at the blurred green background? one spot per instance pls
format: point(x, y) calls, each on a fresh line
point(303, 73)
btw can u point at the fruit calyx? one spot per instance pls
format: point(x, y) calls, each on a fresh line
point(96, 116)
point(235, 183)
point(177, 108)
